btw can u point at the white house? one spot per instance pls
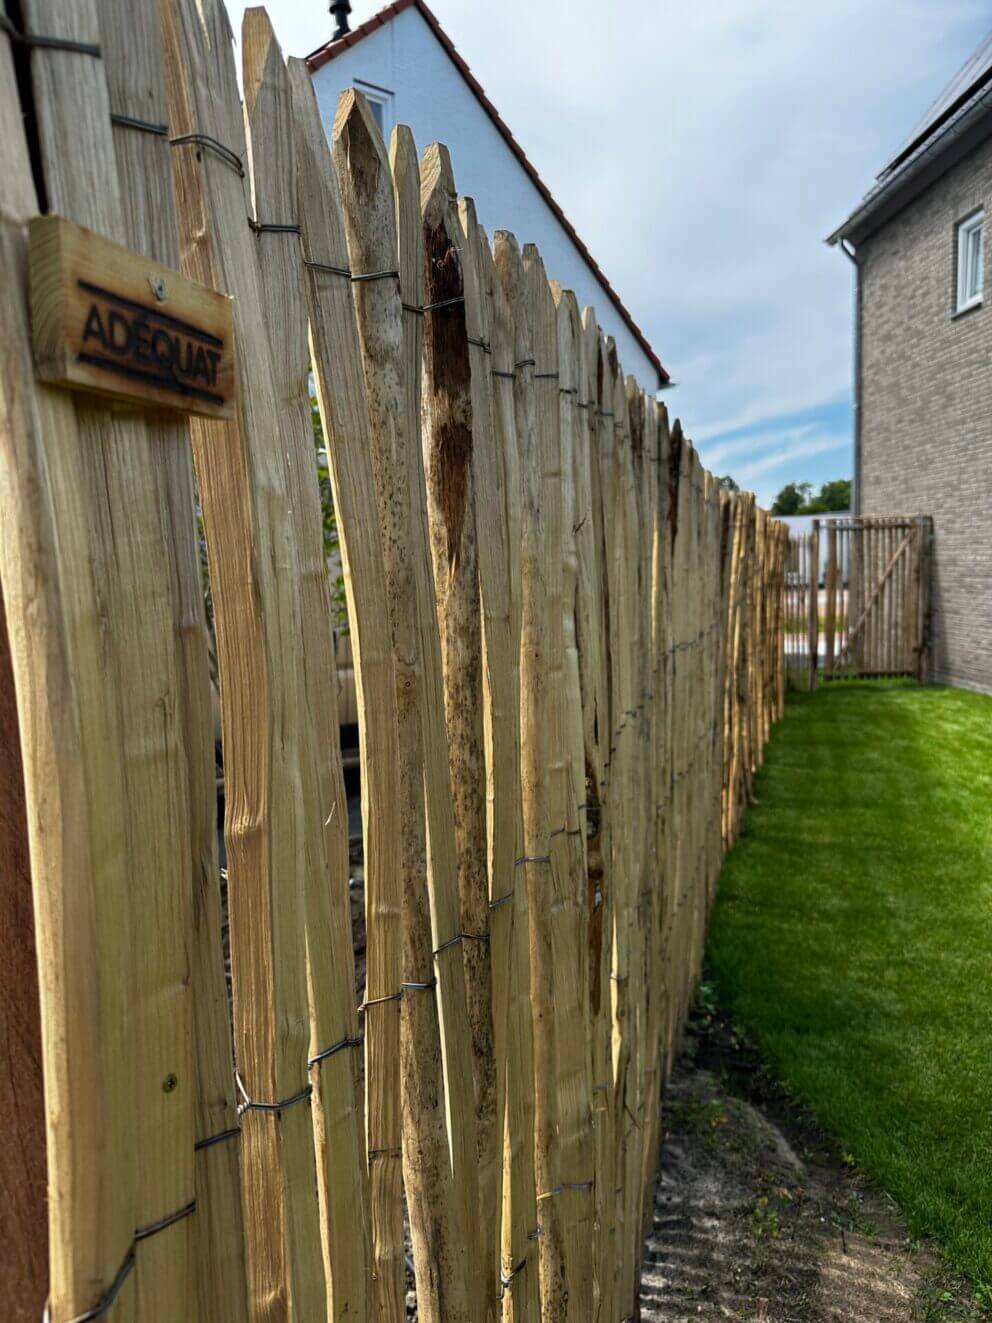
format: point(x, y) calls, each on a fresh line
point(412, 74)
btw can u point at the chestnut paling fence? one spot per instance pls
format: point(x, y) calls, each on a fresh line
point(568, 650)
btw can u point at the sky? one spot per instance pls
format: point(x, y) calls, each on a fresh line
point(703, 149)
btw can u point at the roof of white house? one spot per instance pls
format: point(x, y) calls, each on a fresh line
point(319, 58)
point(959, 119)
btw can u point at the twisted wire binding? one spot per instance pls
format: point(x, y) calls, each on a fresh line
point(333, 1050)
point(19, 38)
point(272, 227)
point(211, 145)
point(506, 1279)
point(233, 1132)
point(272, 1108)
point(461, 937)
point(374, 275)
point(141, 125)
point(106, 1301)
point(326, 267)
point(444, 303)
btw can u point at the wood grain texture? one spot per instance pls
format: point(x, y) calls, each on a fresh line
point(23, 1221)
point(498, 519)
point(337, 1112)
point(340, 379)
point(442, 875)
point(566, 790)
point(375, 220)
point(253, 556)
point(137, 90)
point(107, 319)
point(67, 726)
point(133, 572)
point(450, 435)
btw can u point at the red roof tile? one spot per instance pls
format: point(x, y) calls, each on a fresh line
point(318, 58)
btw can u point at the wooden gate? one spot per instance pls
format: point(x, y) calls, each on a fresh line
point(857, 598)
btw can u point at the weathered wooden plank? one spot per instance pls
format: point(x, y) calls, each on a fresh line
point(384, 234)
point(567, 792)
point(137, 91)
point(247, 503)
point(498, 493)
point(337, 1111)
point(82, 183)
point(450, 427)
point(69, 727)
point(23, 1168)
point(522, 288)
point(338, 370)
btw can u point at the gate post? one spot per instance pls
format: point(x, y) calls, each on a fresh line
point(813, 602)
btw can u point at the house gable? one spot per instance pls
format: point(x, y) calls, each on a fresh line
point(403, 56)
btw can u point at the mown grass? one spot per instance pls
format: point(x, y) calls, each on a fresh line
point(852, 940)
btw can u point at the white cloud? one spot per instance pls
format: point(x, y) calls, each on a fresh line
point(787, 455)
point(703, 151)
point(716, 454)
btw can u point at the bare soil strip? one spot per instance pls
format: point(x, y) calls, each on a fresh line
point(758, 1217)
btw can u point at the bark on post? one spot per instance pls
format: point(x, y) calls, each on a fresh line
point(449, 438)
point(384, 234)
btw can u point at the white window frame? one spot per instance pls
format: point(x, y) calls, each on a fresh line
point(969, 296)
point(381, 97)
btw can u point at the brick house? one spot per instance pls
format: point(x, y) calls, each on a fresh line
point(923, 357)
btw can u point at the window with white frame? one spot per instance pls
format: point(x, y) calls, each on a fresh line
point(970, 261)
point(380, 101)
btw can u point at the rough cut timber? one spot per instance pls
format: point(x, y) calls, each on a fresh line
point(142, 948)
point(497, 503)
point(337, 1110)
point(145, 169)
point(449, 439)
point(252, 548)
point(340, 381)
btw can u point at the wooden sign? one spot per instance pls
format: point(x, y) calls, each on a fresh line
point(107, 320)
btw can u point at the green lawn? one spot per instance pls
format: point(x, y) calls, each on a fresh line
point(852, 940)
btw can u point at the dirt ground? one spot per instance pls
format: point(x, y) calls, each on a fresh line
point(758, 1217)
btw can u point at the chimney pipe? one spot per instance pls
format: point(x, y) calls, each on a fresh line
point(340, 9)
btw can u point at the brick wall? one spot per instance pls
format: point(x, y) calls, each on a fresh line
point(926, 406)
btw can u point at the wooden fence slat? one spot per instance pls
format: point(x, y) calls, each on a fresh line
point(341, 394)
point(337, 1105)
point(443, 865)
point(137, 90)
point(388, 333)
point(522, 286)
point(500, 651)
point(69, 727)
point(82, 182)
point(567, 792)
point(253, 556)
point(498, 486)
point(452, 429)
